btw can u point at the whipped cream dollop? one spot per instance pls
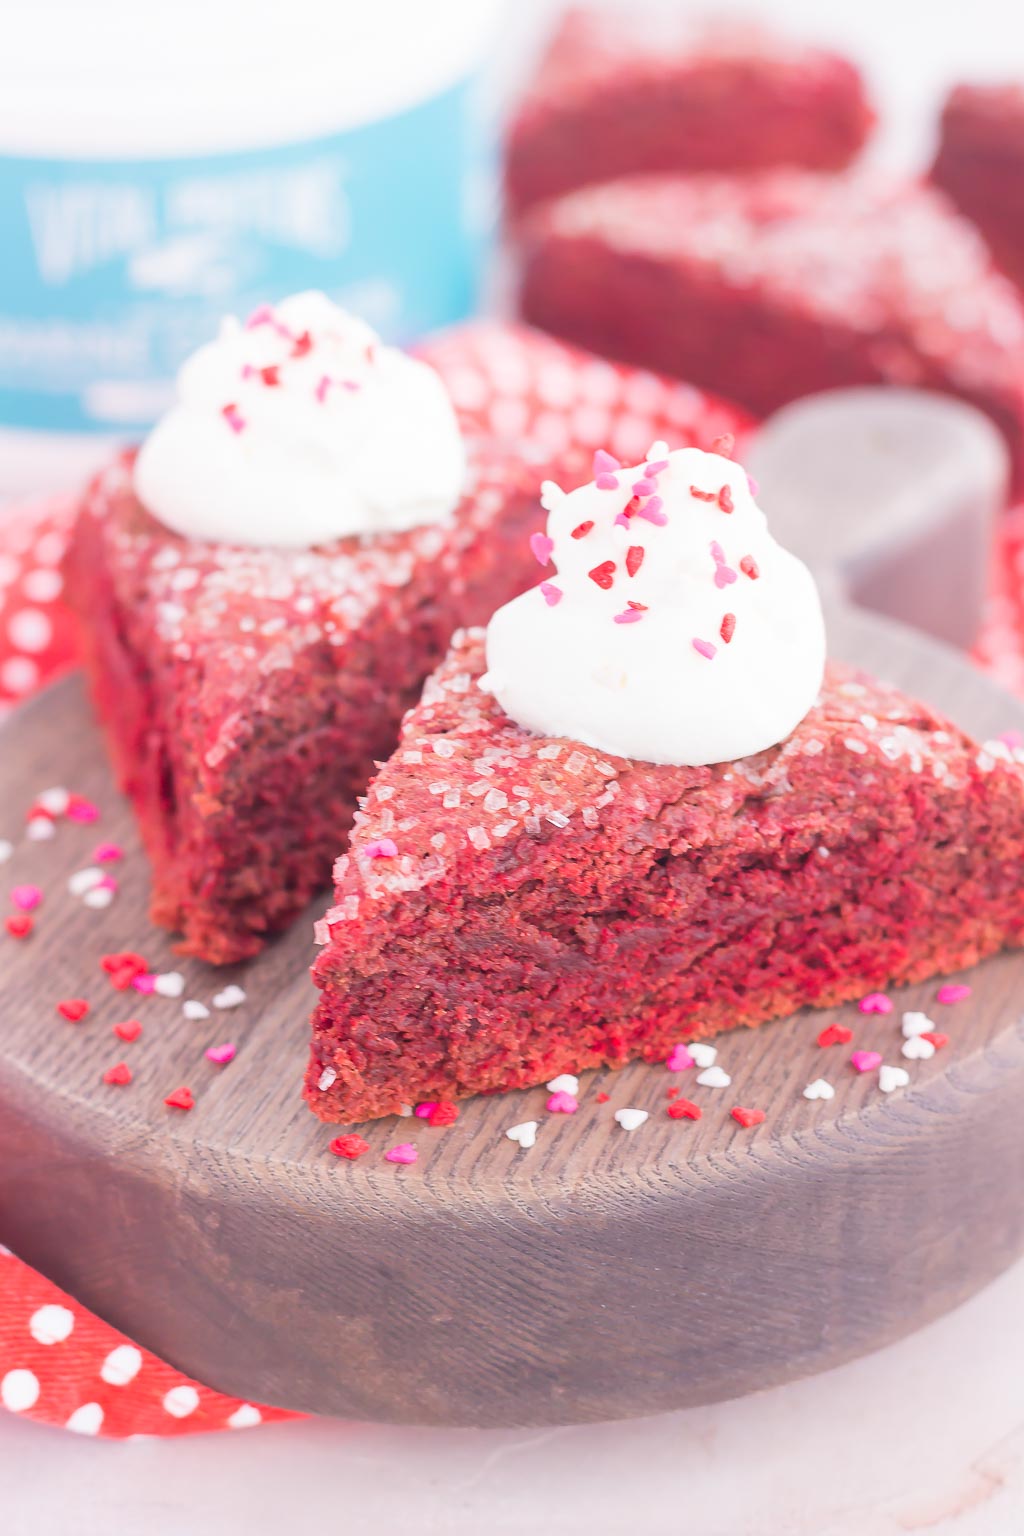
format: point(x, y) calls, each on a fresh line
point(299, 427)
point(670, 626)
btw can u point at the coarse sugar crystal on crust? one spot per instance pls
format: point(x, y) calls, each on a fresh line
point(538, 907)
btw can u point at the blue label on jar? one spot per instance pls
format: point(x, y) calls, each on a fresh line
point(112, 271)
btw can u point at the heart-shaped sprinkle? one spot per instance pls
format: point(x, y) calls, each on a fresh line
point(890, 1078)
point(937, 1038)
point(118, 1076)
point(6, 850)
point(835, 1034)
point(128, 1030)
point(422, 1111)
point(73, 1008)
point(84, 880)
point(351, 1146)
point(681, 1059)
point(144, 983)
point(220, 1055)
point(551, 594)
point(108, 853)
point(542, 548)
point(819, 1089)
point(747, 1117)
point(54, 801)
point(193, 1009)
point(40, 829)
point(866, 1061)
point(443, 1113)
point(81, 809)
point(604, 463)
point(98, 898)
point(631, 1119)
point(685, 1109)
point(724, 576)
point(566, 1083)
point(181, 1098)
point(229, 997)
point(523, 1135)
point(405, 1152)
point(917, 1048)
point(327, 1079)
point(19, 925)
point(169, 984)
point(381, 848)
point(714, 1077)
point(952, 992)
point(26, 897)
point(875, 1002)
point(703, 1055)
point(405, 1111)
point(562, 1104)
point(916, 1024)
point(607, 482)
point(603, 575)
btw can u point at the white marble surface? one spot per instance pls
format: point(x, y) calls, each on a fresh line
point(927, 1436)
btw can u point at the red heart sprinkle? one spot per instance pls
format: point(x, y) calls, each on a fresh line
point(19, 925)
point(749, 567)
point(684, 1109)
point(443, 1113)
point(73, 1008)
point(603, 574)
point(937, 1038)
point(835, 1034)
point(129, 1030)
point(723, 444)
point(581, 531)
point(118, 1076)
point(727, 627)
point(351, 1146)
point(602, 1098)
point(634, 558)
point(181, 1098)
point(270, 375)
point(127, 960)
point(747, 1117)
point(725, 500)
point(303, 344)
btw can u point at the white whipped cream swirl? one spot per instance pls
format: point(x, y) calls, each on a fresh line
point(670, 627)
point(300, 427)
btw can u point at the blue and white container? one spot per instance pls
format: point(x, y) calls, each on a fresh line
point(161, 165)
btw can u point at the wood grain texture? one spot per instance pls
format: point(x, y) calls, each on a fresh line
point(599, 1275)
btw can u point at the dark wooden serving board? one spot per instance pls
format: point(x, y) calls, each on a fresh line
point(599, 1275)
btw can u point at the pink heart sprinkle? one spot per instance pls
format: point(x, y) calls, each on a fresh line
point(80, 809)
point(107, 883)
point(655, 469)
point(424, 1111)
point(26, 897)
point(107, 853)
point(724, 575)
point(541, 547)
point(604, 463)
point(552, 594)
point(607, 483)
point(952, 992)
point(1012, 739)
point(629, 616)
point(875, 1002)
point(381, 848)
point(405, 1152)
point(679, 1059)
point(753, 485)
point(322, 387)
point(651, 510)
point(144, 983)
point(705, 648)
point(263, 315)
point(644, 488)
point(866, 1061)
point(221, 1054)
point(563, 1104)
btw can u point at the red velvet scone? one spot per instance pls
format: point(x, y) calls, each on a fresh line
point(772, 287)
point(980, 165)
point(515, 906)
point(624, 92)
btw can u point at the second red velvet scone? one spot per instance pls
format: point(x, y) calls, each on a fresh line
point(770, 288)
point(247, 688)
point(644, 90)
point(520, 901)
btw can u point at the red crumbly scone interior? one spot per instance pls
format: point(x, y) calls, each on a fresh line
point(246, 693)
point(626, 92)
point(980, 165)
point(514, 907)
point(771, 287)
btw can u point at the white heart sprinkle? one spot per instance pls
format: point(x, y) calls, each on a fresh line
point(40, 829)
point(916, 1024)
point(713, 1077)
point(6, 849)
point(565, 1084)
point(230, 997)
point(703, 1055)
point(405, 1110)
point(819, 1089)
point(245, 1417)
point(192, 1009)
point(327, 1077)
point(525, 1134)
point(54, 800)
point(99, 897)
point(87, 1420)
point(83, 880)
point(917, 1048)
point(169, 984)
point(631, 1119)
point(890, 1078)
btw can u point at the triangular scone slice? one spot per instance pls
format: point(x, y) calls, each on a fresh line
point(514, 907)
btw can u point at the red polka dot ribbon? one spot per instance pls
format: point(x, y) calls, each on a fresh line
point(59, 1363)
